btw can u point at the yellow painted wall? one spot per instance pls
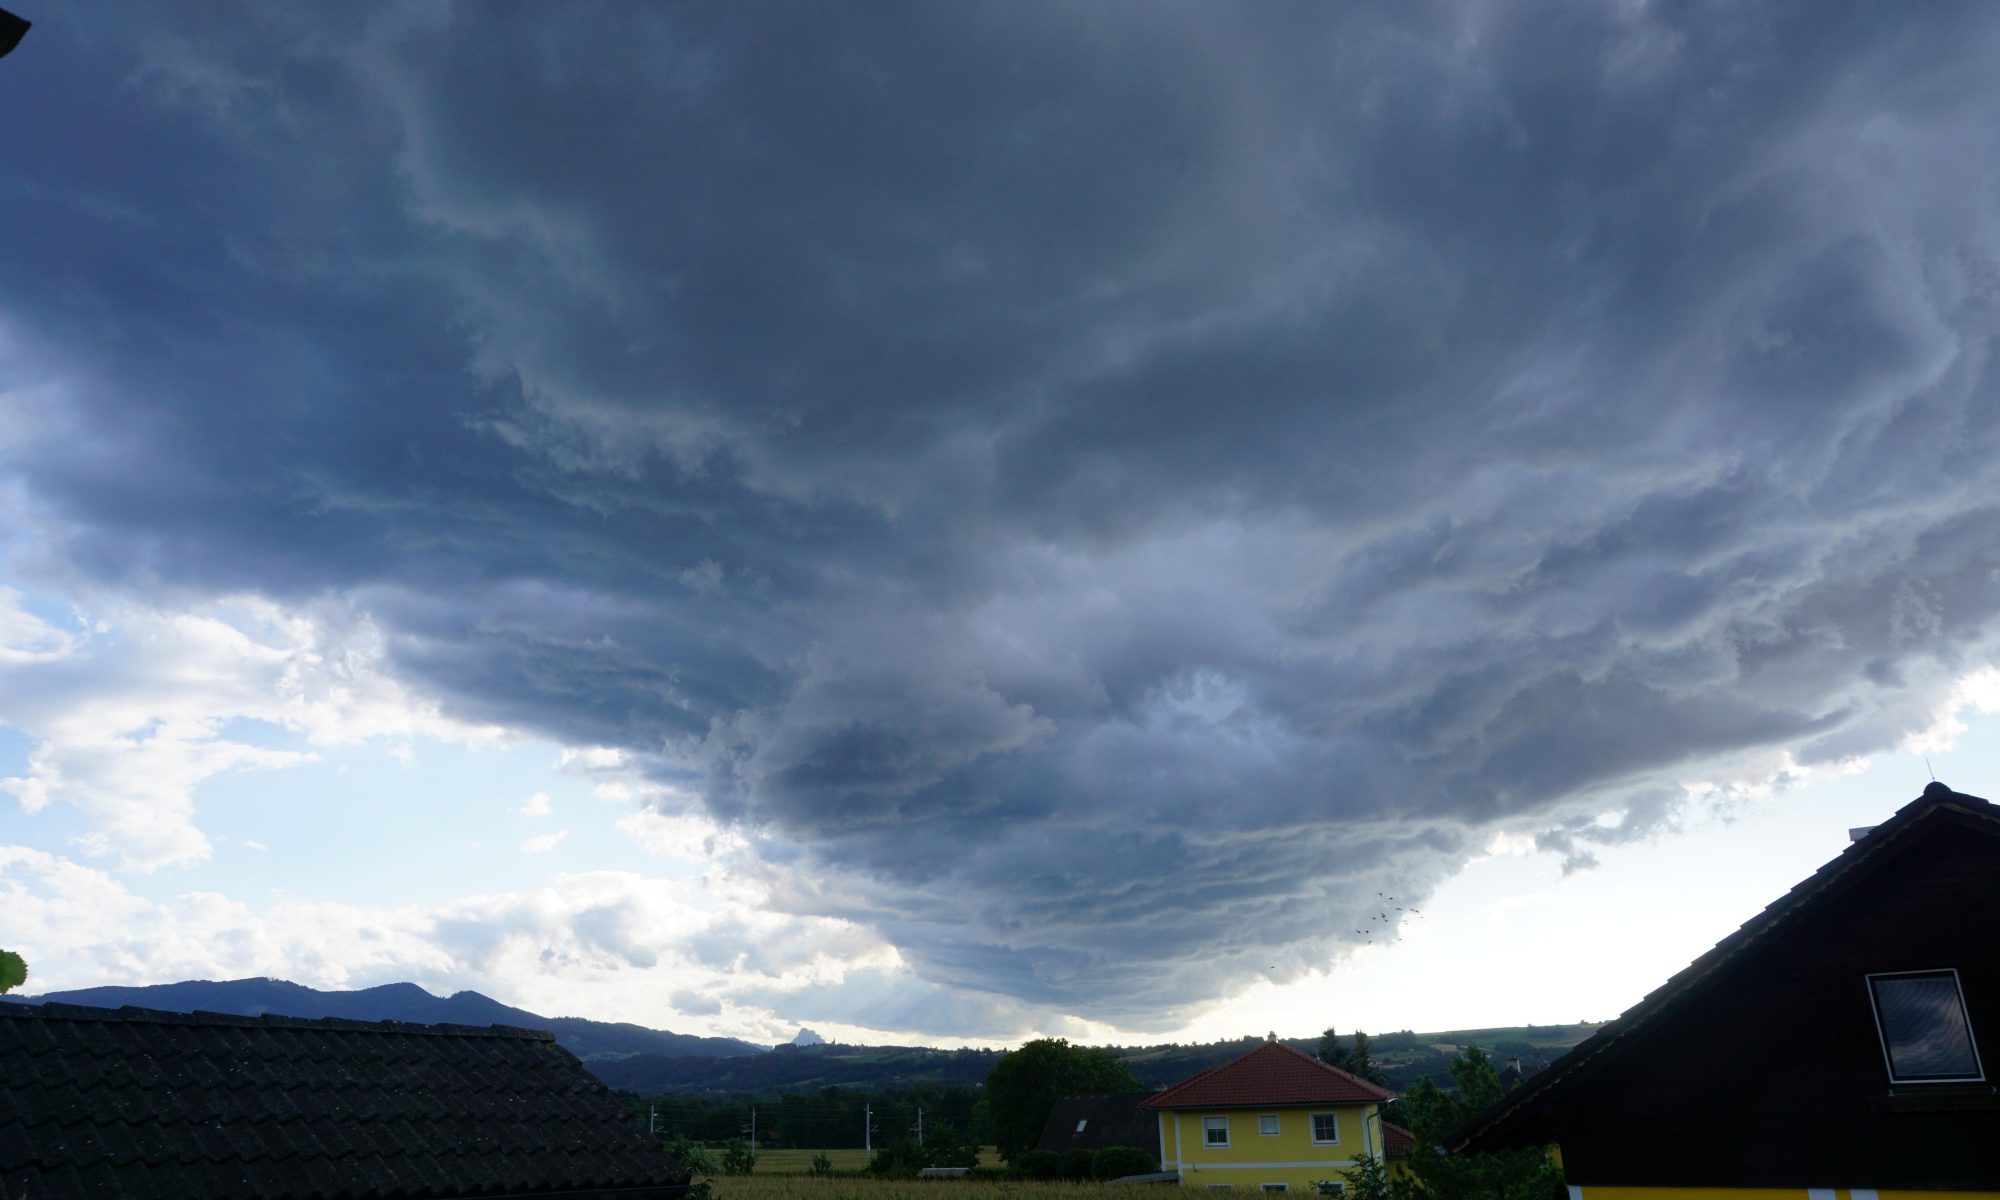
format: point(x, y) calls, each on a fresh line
point(1253, 1159)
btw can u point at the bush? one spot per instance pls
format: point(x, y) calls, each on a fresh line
point(1040, 1164)
point(1116, 1162)
point(738, 1159)
point(821, 1164)
point(1076, 1164)
point(695, 1158)
point(899, 1159)
point(943, 1148)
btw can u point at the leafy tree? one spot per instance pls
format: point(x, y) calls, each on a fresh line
point(1434, 1114)
point(1116, 1162)
point(1022, 1089)
point(1358, 1061)
point(1367, 1180)
point(13, 971)
point(1332, 1053)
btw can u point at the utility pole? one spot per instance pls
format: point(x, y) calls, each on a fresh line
point(867, 1129)
point(920, 1124)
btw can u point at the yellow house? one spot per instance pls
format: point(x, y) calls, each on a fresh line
point(1274, 1120)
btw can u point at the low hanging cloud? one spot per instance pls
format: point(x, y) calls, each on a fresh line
point(1092, 493)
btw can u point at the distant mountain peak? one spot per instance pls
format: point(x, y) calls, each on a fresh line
point(807, 1037)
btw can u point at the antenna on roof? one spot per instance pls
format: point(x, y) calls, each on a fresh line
point(1931, 769)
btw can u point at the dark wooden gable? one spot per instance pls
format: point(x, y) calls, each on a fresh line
point(1760, 1065)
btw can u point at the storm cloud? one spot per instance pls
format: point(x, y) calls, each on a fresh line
point(1093, 493)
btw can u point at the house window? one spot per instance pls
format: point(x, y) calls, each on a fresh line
point(1326, 1129)
point(1215, 1131)
point(1081, 1124)
point(1926, 1038)
point(1267, 1124)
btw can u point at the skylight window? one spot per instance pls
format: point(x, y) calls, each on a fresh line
point(1926, 1037)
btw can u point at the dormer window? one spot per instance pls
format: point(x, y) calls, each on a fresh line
point(1926, 1038)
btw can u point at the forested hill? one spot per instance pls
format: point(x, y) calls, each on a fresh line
point(1404, 1057)
point(591, 1041)
point(653, 1061)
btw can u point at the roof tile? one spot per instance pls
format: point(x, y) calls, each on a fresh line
point(138, 1103)
point(1272, 1074)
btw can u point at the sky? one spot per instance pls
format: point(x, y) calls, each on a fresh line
point(959, 522)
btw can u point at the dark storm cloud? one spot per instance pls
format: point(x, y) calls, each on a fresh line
point(1101, 491)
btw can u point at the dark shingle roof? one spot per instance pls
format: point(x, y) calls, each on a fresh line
point(1272, 1074)
point(1109, 1119)
point(135, 1102)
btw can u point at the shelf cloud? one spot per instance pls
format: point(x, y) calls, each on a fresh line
point(1091, 493)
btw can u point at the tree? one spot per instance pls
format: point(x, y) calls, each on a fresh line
point(1433, 1114)
point(13, 971)
point(1022, 1089)
point(1367, 1180)
point(1332, 1053)
point(1359, 1061)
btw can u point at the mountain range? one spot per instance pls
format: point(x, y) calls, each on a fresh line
point(592, 1041)
point(655, 1061)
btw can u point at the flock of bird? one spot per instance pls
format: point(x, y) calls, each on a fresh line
point(1382, 922)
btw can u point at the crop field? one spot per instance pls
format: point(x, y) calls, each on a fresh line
point(808, 1187)
point(799, 1162)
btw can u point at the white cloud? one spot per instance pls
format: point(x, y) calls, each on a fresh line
point(132, 711)
point(260, 847)
point(612, 945)
point(537, 805)
point(545, 842)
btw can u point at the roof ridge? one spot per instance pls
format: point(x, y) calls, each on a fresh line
point(1935, 799)
point(57, 1010)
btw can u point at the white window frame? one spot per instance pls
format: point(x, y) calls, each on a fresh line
point(1964, 1012)
point(1209, 1142)
point(1275, 1129)
point(1317, 1140)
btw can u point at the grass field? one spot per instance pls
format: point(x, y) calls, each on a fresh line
point(799, 1162)
point(807, 1187)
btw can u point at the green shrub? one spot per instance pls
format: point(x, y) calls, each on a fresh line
point(821, 1164)
point(1116, 1162)
point(1076, 1164)
point(738, 1159)
point(695, 1158)
point(1040, 1164)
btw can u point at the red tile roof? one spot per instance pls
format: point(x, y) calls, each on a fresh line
point(1397, 1142)
point(1272, 1074)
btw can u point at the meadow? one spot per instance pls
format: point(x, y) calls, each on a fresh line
point(809, 1187)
